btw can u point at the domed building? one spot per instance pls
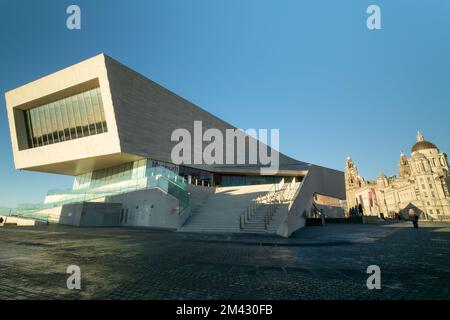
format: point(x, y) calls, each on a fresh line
point(422, 185)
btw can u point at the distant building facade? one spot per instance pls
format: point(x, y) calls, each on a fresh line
point(422, 185)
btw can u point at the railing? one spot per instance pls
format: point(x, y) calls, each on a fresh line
point(274, 204)
point(180, 194)
point(288, 194)
point(32, 215)
point(256, 203)
point(167, 174)
point(158, 177)
point(276, 195)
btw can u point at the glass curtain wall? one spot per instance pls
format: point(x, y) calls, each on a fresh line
point(98, 178)
point(74, 117)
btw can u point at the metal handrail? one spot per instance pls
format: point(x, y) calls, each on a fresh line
point(159, 182)
point(277, 199)
point(277, 194)
point(287, 195)
point(256, 203)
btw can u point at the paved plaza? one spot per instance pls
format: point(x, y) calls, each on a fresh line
point(315, 263)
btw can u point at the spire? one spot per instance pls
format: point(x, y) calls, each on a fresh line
point(419, 136)
point(349, 162)
point(404, 170)
point(352, 177)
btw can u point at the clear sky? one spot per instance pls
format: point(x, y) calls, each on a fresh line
point(308, 67)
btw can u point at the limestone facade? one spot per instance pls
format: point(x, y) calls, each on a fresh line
point(422, 185)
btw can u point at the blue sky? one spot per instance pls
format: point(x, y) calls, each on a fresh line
point(310, 68)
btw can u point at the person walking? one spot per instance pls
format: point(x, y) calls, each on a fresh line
point(415, 220)
point(360, 209)
point(322, 217)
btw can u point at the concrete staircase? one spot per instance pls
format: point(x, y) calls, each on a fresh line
point(256, 222)
point(220, 212)
point(266, 216)
point(199, 195)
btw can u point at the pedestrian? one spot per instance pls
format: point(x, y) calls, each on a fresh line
point(322, 217)
point(360, 209)
point(415, 220)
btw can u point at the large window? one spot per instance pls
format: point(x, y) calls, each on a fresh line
point(112, 174)
point(74, 117)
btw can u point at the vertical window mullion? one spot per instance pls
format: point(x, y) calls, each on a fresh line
point(83, 115)
point(41, 114)
point(43, 118)
point(52, 112)
point(33, 125)
point(29, 129)
point(70, 115)
point(96, 109)
point(90, 112)
point(102, 110)
point(59, 122)
point(74, 118)
point(37, 126)
point(77, 114)
point(48, 123)
point(66, 123)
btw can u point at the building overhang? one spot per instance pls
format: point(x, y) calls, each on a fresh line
point(79, 166)
point(140, 116)
point(291, 171)
point(73, 156)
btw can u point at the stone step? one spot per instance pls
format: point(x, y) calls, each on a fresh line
point(253, 224)
point(211, 230)
point(220, 214)
point(254, 229)
point(215, 225)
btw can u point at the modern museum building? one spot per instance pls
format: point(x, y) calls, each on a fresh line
point(112, 129)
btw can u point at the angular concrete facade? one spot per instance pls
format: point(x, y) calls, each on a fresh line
point(141, 116)
point(72, 157)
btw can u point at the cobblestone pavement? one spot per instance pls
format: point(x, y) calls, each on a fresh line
point(316, 263)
